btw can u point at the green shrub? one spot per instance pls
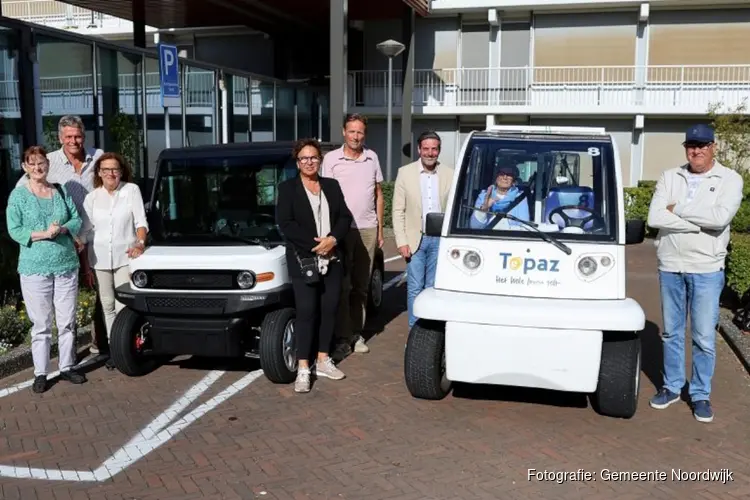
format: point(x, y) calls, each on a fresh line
point(388, 197)
point(647, 184)
point(14, 326)
point(738, 264)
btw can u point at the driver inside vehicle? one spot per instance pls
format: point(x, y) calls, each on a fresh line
point(503, 196)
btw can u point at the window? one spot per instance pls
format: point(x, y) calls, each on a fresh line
point(513, 184)
point(219, 199)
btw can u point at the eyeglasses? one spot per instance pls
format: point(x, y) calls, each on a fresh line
point(113, 171)
point(308, 159)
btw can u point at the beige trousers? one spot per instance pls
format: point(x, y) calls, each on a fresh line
point(360, 254)
point(107, 281)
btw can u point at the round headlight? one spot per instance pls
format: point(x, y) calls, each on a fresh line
point(455, 253)
point(472, 260)
point(246, 279)
point(606, 261)
point(140, 279)
point(587, 266)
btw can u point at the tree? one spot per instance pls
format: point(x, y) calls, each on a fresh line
point(732, 128)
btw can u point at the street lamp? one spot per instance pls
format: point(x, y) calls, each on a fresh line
point(390, 49)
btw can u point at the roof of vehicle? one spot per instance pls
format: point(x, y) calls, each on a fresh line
point(236, 149)
point(543, 132)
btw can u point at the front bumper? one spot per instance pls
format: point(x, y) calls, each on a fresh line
point(203, 324)
point(210, 304)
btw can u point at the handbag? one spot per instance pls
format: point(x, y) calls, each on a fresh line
point(309, 268)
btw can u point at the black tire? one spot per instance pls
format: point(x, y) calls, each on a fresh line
point(122, 345)
point(424, 361)
point(272, 353)
point(375, 290)
point(619, 375)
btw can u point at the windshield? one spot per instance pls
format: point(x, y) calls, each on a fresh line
point(514, 185)
point(226, 201)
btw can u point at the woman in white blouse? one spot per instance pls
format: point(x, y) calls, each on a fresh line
point(114, 229)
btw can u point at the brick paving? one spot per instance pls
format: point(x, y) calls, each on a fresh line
point(366, 438)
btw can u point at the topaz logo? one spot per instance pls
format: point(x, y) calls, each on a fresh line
point(527, 264)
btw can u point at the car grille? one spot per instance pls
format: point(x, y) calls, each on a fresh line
point(186, 305)
point(192, 281)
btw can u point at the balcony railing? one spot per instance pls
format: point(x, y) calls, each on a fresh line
point(603, 89)
point(69, 94)
point(61, 15)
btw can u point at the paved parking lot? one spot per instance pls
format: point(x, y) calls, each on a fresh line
point(203, 429)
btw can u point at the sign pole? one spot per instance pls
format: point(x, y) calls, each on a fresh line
point(169, 74)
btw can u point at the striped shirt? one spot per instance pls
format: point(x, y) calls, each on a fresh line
point(61, 171)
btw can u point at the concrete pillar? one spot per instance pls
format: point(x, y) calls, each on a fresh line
point(408, 148)
point(339, 20)
point(139, 23)
point(641, 75)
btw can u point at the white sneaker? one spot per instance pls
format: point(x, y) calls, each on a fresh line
point(328, 370)
point(360, 345)
point(302, 384)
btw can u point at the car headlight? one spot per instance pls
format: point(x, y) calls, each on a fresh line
point(587, 266)
point(472, 260)
point(246, 279)
point(140, 279)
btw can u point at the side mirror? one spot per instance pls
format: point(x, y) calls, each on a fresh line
point(434, 224)
point(635, 231)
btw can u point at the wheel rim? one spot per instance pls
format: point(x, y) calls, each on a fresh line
point(376, 287)
point(638, 376)
point(290, 354)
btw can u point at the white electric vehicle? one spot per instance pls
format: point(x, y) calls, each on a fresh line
point(213, 281)
point(530, 289)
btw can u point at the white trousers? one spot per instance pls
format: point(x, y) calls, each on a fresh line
point(43, 295)
point(107, 280)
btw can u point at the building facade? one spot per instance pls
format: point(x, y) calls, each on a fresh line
point(643, 70)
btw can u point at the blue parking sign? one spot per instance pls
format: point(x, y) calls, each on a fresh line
point(169, 75)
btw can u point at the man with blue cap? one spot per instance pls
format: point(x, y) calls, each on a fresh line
point(692, 208)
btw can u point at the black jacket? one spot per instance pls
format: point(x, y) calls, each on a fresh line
point(295, 218)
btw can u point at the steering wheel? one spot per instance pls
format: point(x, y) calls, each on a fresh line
point(579, 222)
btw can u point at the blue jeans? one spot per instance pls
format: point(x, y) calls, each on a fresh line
point(700, 294)
point(420, 271)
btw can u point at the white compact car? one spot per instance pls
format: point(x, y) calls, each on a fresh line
point(530, 287)
point(213, 281)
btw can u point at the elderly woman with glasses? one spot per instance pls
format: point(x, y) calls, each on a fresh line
point(115, 230)
point(503, 196)
point(44, 221)
point(314, 220)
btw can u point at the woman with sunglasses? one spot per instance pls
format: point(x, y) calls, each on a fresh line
point(314, 220)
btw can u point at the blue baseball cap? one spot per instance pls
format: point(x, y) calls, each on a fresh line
point(699, 134)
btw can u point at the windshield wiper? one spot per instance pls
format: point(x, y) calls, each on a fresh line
point(546, 237)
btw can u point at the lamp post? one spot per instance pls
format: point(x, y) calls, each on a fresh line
point(390, 49)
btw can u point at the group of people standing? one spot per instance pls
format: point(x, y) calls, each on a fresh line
point(332, 217)
point(78, 219)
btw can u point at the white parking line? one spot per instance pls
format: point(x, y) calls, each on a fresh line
point(147, 440)
point(394, 281)
point(160, 430)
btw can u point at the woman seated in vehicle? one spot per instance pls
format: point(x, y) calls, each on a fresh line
point(314, 220)
point(501, 197)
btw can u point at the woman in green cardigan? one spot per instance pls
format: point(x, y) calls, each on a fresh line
point(44, 221)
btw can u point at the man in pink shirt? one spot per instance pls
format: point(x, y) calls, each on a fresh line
point(358, 171)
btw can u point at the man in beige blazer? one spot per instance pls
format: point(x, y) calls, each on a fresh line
point(421, 187)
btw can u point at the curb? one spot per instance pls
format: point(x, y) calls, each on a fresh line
point(20, 359)
point(738, 341)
